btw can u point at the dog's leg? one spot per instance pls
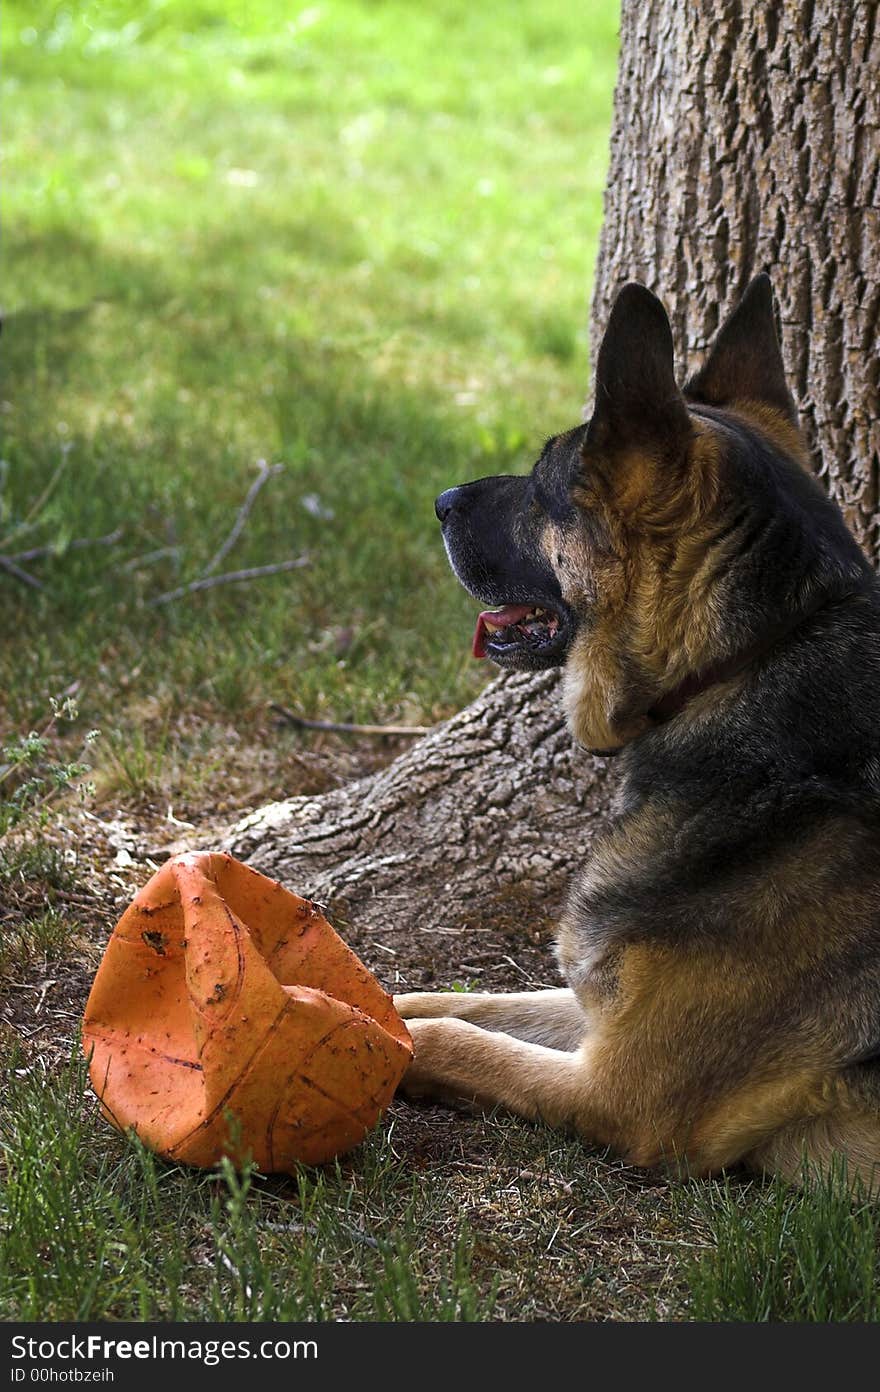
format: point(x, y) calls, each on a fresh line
point(455, 1059)
point(554, 1017)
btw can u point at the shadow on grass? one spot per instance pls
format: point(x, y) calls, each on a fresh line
point(172, 404)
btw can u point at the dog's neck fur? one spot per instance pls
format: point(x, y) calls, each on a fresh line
point(658, 710)
point(697, 683)
point(780, 691)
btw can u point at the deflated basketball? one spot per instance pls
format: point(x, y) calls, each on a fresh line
point(228, 1018)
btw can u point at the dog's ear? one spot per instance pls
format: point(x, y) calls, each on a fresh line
point(638, 404)
point(745, 361)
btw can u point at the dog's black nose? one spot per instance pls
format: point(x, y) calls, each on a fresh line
point(445, 504)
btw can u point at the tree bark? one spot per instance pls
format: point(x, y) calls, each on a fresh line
point(494, 803)
point(746, 137)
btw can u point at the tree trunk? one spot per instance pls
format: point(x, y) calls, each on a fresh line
point(493, 804)
point(746, 137)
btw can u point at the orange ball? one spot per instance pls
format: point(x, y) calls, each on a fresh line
point(228, 1018)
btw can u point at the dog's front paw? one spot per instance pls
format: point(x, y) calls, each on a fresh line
point(419, 1005)
point(432, 1072)
point(418, 1079)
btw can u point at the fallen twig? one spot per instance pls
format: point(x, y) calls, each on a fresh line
point(265, 472)
point(231, 577)
point(556, 1180)
point(36, 553)
point(149, 558)
point(343, 727)
point(24, 576)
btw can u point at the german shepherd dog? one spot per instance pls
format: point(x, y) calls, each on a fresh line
point(719, 627)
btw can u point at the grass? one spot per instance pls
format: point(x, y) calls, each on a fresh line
point(777, 1254)
point(366, 1239)
point(356, 242)
point(515, 1222)
point(158, 1242)
point(43, 937)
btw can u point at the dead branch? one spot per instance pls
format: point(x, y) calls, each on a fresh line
point(37, 553)
point(265, 473)
point(343, 727)
point(9, 565)
point(12, 563)
point(231, 577)
point(149, 558)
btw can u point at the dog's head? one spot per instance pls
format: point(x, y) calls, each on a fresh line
point(667, 534)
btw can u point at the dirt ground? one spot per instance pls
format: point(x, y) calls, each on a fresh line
point(592, 1210)
point(115, 847)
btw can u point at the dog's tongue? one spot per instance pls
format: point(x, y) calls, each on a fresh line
point(496, 618)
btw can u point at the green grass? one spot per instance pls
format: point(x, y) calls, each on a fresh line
point(368, 1238)
point(94, 1227)
point(777, 1254)
point(42, 937)
point(357, 242)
